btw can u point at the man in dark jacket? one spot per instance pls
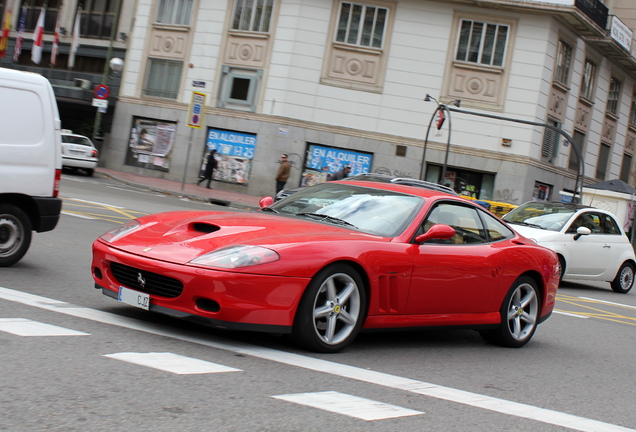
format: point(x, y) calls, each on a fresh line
point(339, 175)
point(283, 173)
point(210, 166)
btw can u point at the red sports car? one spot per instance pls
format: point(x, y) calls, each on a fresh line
point(331, 260)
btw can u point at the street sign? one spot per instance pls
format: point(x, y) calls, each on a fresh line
point(100, 103)
point(102, 91)
point(196, 110)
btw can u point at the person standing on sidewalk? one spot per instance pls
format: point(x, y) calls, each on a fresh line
point(283, 173)
point(210, 166)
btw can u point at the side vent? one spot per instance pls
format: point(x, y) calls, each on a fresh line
point(204, 227)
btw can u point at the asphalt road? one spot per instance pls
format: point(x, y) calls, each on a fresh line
point(74, 360)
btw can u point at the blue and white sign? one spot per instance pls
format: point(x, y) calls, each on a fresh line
point(232, 143)
point(334, 159)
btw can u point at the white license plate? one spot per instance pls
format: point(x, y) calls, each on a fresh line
point(134, 298)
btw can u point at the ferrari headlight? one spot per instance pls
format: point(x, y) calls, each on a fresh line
point(237, 257)
point(120, 231)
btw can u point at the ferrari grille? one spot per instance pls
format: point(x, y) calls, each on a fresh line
point(145, 281)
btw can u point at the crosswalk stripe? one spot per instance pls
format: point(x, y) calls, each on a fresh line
point(170, 362)
point(26, 327)
point(352, 406)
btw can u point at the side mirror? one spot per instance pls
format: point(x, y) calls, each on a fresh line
point(581, 231)
point(437, 231)
point(266, 201)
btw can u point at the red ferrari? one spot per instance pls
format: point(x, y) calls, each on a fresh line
point(331, 260)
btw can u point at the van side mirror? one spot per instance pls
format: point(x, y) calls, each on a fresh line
point(437, 231)
point(581, 231)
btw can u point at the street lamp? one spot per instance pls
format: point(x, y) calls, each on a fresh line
point(440, 108)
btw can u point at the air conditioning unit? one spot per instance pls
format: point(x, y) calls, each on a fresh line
point(85, 84)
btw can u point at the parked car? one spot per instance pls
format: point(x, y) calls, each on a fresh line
point(333, 259)
point(78, 152)
point(589, 242)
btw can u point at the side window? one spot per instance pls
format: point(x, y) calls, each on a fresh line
point(609, 225)
point(587, 220)
point(464, 220)
point(496, 230)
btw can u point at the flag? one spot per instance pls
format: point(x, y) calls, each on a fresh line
point(56, 39)
point(18, 42)
point(36, 51)
point(75, 42)
point(4, 39)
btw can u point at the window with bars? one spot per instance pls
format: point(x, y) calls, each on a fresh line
point(550, 147)
point(482, 43)
point(578, 140)
point(163, 78)
point(614, 96)
point(626, 167)
point(563, 63)
point(589, 80)
point(603, 159)
point(252, 15)
point(361, 25)
point(176, 12)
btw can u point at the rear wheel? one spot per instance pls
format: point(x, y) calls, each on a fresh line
point(331, 311)
point(624, 280)
point(15, 234)
point(89, 171)
point(519, 315)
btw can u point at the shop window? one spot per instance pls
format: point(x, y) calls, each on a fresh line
point(589, 80)
point(603, 160)
point(252, 15)
point(150, 144)
point(563, 63)
point(467, 183)
point(482, 43)
point(550, 147)
point(541, 192)
point(175, 12)
point(163, 78)
point(626, 167)
point(234, 154)
point(579, 141)
point(614, 96)
point(239, 88)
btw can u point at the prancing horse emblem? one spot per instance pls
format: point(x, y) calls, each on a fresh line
point(141, 280)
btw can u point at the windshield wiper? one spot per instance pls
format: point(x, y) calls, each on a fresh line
point(269, 209)
point(328, 218)
point(526, 224)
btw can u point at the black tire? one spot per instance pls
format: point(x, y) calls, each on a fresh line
point(89, 171)
point(519, 315)
point(331, 311)
point(561, 268)
point(15, 234)
point(624, 280)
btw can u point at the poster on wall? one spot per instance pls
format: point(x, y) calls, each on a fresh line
point(234, 154)
point(150, 144)
point(322, 160)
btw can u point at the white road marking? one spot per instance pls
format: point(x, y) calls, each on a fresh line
point(570, 314)
point(502, 406)
point(608, 302)
point(77, 215)
point(352, 406)
point(169, 362)
point(95, 202)
point(26, 327)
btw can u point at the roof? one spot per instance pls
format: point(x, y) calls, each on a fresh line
point(614, 186)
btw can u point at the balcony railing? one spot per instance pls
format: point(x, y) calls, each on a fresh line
point(595, 10)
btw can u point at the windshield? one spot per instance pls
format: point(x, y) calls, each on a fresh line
point(548, 216)
point(374, 211)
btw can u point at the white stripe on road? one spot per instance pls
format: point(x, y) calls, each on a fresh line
point(350, 372)
point(608, 302)
point(170, 362)
point(26, 327)
point(570, 314)
point(352, 406)
point(77, 215)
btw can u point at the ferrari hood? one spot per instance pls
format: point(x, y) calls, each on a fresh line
point(182, 236)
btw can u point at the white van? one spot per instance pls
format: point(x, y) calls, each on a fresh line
point(30, 161)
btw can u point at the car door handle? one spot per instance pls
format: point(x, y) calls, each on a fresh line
point(606, 246)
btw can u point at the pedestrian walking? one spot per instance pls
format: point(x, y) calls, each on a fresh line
point(210, 166)
point(283, 173)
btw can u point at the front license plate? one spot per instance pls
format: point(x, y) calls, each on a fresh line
point(134, 298)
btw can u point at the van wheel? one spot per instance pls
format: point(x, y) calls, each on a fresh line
point(15, 234)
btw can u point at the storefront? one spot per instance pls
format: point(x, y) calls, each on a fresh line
point(150, 144)
point(234, 154)
point(323, 160)
point(475, 184)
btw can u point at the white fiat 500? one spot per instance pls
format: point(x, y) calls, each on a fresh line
point(589, 242)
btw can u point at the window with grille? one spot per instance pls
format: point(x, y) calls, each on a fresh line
point(603, 159)
point(163, 78)
point(563, 63)
point(176, 12)
point(614, 96)
point(626, 167)
point(252, 15)
point(589, 80)
point(482, 43)
point(550, 147)
point(579, 141)
point(361, 25)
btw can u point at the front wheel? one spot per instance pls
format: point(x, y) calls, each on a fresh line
point(624, 280)
point(15, 234)
point(519, 315)
point(331, 311)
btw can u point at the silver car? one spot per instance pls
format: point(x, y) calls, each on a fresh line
point(78, 152)
point(589, 242)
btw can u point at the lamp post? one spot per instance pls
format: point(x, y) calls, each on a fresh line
point(441, 108)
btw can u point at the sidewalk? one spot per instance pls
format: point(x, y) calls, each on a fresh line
point(192, 191)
